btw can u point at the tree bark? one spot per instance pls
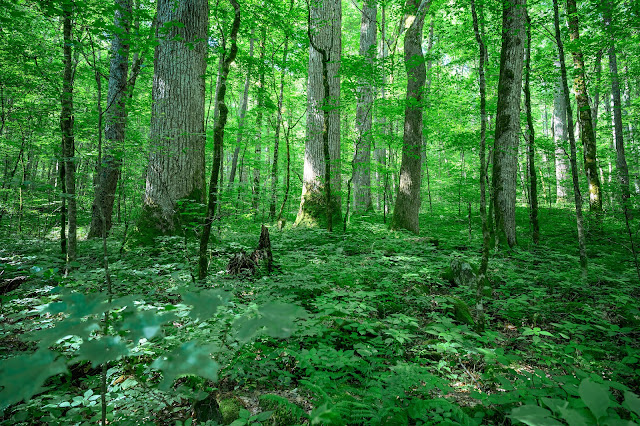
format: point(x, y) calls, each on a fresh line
point(218, 139)
point(68, 140)
point(177, 135)
point(407, 207)
point(560, 137)
point(325, 22)
point(364, 112)
point(584, 112)
point(531, 153)
point(505, 160)
point(115, 122)
point(255, 187)
point(572, 145)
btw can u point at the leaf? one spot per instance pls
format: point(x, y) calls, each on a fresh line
point(205, 303)
point(21, 377)
point(632, 402)
point(77, 305)
point(533, 415)
point(261, 417)
point(595, 396)
point(99, 351)
point(68, 327)
point(279, 318)
point(145, 324)
point(189, 358)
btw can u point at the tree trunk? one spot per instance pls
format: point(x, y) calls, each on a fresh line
point(325, 34)
point(243, 112)
point(218, 139)
point(531, 153)
point(364, 112)
point(255, 187)
point(68, 141)
point(115, 121)
point(505, 161)
point(572, 145)
point(560, 136)
point(584, 112)
point(407, 207)
point(177, 135)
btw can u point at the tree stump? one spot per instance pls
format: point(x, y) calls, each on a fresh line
point(243, 264)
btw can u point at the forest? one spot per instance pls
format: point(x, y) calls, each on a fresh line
point(320, 212)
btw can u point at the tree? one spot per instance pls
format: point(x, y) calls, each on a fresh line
point(531, 153)
point(320, 200)
point(115, 122)
point(218, 139)
point(584, 111)
point(362, 156)
point(405, 212)
point(68, 175)
point(560, 140)
point(572, 144)
point(176, 161)
point(505, 154)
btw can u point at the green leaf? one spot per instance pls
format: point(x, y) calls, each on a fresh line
point(187, 359)
point(533, 415)
point(68, 327)
point(205, 303)
point(261, 417)
point(21, 377)
point(279, 318)
point(99, 351)
point(632, 402)
point(77, 305)
point(146, 324)
point(595, 396)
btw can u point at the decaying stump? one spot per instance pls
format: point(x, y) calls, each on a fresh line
point(244, 264)
point(11, 284)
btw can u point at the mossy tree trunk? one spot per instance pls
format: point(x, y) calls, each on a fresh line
point(322, 144)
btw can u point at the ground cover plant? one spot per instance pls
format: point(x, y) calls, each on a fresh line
point(363, 327)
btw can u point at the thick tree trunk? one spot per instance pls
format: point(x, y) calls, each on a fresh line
point(572, 145)
point(407, 207)
point(560, 137)
point(177, 136)
point(531, 153)
point(584, 112)
point(243, 112)
point(505, 159)
point(68, 141)
point(364, 112)
point(218, 139)
point(325, 29)
point(115, 121)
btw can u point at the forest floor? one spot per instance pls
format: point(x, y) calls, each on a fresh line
point(362, 327)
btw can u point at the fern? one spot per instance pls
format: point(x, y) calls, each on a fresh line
point(285, 405)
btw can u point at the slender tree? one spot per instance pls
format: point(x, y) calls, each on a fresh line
point(531, 153)
point(560, 138)
point(405, 212)
point(218, 139)
point(572, 145)
point(177, 137)
point(66, 125)
point(364, 111)
point(584, 111)
point(505, 154)
point(255, 187)
point(115, 121)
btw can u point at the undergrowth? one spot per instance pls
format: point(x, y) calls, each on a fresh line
point(353, 328)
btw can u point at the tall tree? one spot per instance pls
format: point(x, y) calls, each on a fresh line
point(405, 212)
point(177, 138)
point(320, 199)
point(505, 153)
point(255, 187)
point(66, 125)
point(364, 111)
point(531, 153)
point(584, 111)
point(560, 140)
point(572, 144)
point(218, 139)
point(115, 121)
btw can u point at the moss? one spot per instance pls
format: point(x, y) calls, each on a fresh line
point(230, 409)
point(461, 311)
point(284, 412)
point(313, 211)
